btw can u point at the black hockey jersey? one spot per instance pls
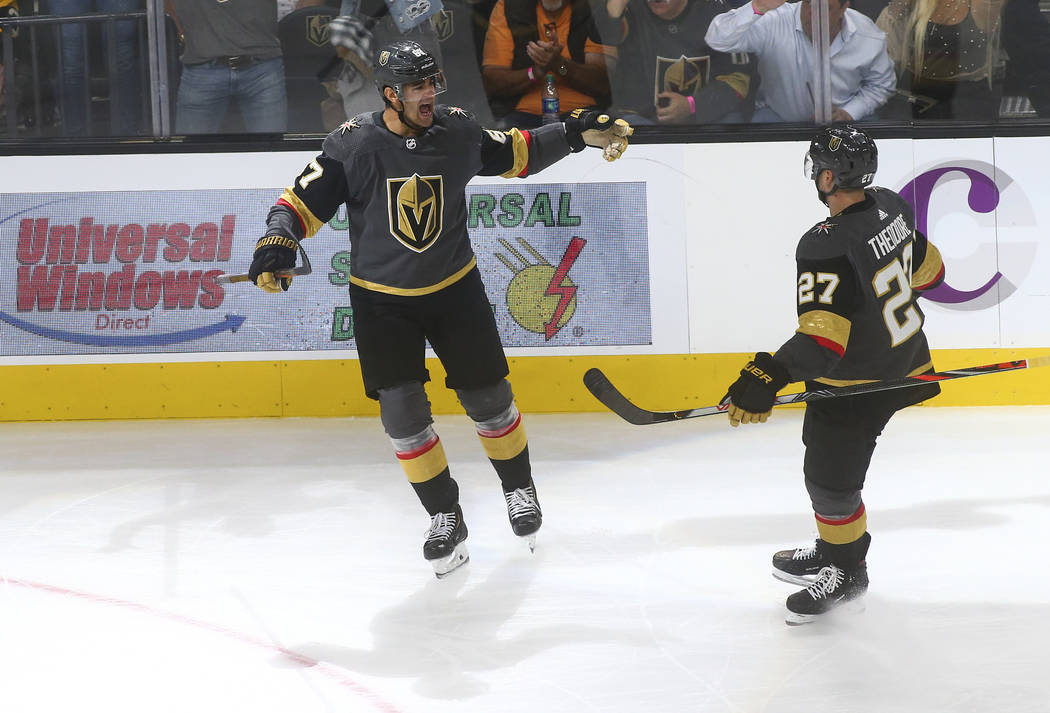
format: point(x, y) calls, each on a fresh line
point(860, 274)
point(405, 196)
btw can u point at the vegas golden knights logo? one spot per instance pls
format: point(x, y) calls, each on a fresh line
point(442, 24)
point(835, 143)
point(317, 29)
point(416, 206)
point(684, 75)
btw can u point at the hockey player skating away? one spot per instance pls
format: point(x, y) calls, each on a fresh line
point(860, 273)
point(402, 173)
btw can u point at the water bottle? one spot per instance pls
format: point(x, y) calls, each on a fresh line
point(551, 105)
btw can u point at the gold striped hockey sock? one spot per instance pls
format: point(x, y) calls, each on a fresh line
point(508, 451)
point(426, 468)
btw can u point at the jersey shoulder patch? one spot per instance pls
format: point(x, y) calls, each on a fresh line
point(454, 112)
point(342, 142)
point(824, 241)
point(825, 227)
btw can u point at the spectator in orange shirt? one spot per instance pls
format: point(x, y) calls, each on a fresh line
point(528, 39)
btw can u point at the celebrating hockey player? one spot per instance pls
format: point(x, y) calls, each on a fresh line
point(402, 174)
point(860, 273)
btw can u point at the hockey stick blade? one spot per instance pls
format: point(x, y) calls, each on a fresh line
point(603, 390)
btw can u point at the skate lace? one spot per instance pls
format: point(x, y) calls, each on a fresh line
point(520, 502)
point(828, 580)
point(441, 526)
point(805, 553)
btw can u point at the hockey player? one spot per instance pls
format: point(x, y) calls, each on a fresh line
point(402, 174)
point(860, 273)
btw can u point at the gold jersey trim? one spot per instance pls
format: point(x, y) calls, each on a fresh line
point(929, 268)
point(824, 324)
point(850, 382)
point(416, 291)
point(521, 153)
point(310, 221)
point(739, 81)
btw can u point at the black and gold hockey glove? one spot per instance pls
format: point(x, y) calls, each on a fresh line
point(586, 127)
point(273, 253)
point(753, 394)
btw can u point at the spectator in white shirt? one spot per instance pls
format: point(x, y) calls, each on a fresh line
point(862, 75)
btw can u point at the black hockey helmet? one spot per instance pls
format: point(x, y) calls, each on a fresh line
point(404, 62)
point(847, 152)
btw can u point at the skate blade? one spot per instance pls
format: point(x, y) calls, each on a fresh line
point(530, 540)
point(803, 580)
point(445, 566)
point(854, 606)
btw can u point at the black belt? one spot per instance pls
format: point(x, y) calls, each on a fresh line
point(236, 62)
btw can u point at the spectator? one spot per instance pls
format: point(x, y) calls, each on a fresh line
point(516, 59)
point(674, 76)
point(1026, 39)
point(125, 88)
point(460, 28)
point(231, 52)
point(362, 25)
point(945, 52)
point(452, 35)
point(862, 76)
point(8, 8)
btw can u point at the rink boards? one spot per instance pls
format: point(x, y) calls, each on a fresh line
point(666, 268)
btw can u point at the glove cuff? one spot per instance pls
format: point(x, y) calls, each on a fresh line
point(280, 240)
point(574, 135)
point(768, 370)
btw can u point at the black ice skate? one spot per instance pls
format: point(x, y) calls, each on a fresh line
point(835, 587)
point(445, 547)
point(523, 509)
point(798, 566)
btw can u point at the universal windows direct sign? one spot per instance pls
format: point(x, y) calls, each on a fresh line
point(135, 271)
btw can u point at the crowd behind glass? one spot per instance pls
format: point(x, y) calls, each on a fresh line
point(79, 67)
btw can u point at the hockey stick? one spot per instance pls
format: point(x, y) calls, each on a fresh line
point(603, 390)
point(304, 269)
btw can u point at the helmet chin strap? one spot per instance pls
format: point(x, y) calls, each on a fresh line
point(821, 194)
point(405, 120)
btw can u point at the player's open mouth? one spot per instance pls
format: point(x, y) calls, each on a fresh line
point(426, 111)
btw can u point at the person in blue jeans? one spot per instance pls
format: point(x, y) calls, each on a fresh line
point(125, 89)
point(231, 54)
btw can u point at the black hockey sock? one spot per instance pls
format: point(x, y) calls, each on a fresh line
point(439, 494)
point(515, 472)
point(845, 556)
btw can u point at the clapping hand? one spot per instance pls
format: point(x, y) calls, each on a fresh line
point(544, 54)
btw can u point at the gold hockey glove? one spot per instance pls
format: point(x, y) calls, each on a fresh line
point(585, 127)
point(753, 394)
point(272, 254)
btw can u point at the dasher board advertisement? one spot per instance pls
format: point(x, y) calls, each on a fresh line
point(119, 272)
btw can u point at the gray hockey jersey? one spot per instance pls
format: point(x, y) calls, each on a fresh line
point(405, 196)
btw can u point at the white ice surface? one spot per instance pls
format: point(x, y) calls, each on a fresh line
point(252, 566)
